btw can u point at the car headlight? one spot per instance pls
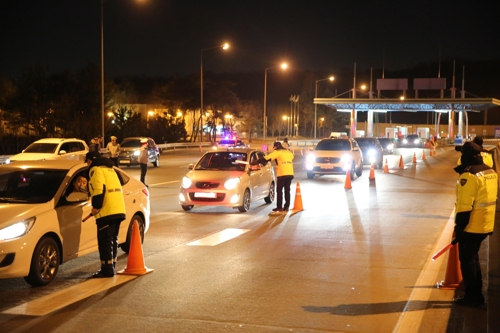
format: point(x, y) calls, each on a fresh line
point(390, 146)
point(231, 183)
point(186, 182)
point(346, 158)
point(371, 152)
point(416, 142)
point(310, 158)
point(137, 153)
point(17, 230)
point(405, 141)
point(7, 161)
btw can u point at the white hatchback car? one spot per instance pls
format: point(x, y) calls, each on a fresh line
point(41, 225)
point(53, 149)
point(225, 178)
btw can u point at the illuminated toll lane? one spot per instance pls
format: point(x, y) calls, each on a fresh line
point(219, 237)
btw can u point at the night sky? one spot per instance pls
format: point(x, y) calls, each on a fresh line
point(164, 37)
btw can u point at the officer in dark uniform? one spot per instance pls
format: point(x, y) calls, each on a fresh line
point(108, 207)
point(475, 206)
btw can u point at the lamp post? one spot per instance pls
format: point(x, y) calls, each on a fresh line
point(264, 127)
point(224, 47)
point(331, 78)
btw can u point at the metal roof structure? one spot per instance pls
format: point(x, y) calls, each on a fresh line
point(442, 105)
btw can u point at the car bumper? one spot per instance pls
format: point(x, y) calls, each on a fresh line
point(217, 197)
point(327, 169)
point(15, 257)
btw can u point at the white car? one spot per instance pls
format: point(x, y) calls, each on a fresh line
point(335, 157)
point(225, 178)
point(41, 226)
point(53, 149)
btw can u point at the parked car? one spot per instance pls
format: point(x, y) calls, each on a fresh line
point(372, 150)
point(411, 140)
point(130, 149)
point(225, 178)
point(335, 157)
point(41, 226)
point(53, 149)
point(387, 145)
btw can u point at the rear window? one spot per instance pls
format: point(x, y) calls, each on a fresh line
point(336, 144)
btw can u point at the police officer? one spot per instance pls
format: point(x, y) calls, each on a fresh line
point(108, 207)
point(284, 174)
point(475, 206)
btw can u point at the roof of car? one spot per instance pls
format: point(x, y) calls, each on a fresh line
point(236, 150)
point(57, 140)
point(43, 164)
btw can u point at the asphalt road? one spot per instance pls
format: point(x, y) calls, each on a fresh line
point(354, 260)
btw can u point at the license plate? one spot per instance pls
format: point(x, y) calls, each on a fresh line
point(124, 161)
point(205, 195)
point(328, 166)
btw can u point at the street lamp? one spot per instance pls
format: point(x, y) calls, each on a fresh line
point(224, 47)
point(283, 66)
point(331, 78)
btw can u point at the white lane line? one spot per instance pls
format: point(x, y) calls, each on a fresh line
point(219, 237)
point(410, 319)
point(62, 298)
point(163, 183)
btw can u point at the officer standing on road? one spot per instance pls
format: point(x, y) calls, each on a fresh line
point(143, 160)
point(108, 207)
point(284, 174)
point(476, 195)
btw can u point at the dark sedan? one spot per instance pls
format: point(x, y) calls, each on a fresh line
point(372, 150)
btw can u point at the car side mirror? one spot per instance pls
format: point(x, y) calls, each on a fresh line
point(62, 152)
point(190, 166)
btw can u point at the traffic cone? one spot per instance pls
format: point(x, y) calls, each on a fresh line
point(423, 154)
point(414, 157)
point(372, 172)
point(200, 148)
point(453, 275)
point(348, 180)
point(401, 163)
point(386, 167)
point(135, 263)
point(297, 203)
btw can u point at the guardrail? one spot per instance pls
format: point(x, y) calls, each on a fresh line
point(175, 145)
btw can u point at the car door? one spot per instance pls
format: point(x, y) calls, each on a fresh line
point(255, 177)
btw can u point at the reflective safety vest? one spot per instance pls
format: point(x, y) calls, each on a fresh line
point(105, 185)
point(477, 193)
point(284, 159)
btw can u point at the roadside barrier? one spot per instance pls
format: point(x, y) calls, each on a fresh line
point(135, 263)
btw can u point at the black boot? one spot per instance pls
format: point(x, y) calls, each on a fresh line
point(106, 271)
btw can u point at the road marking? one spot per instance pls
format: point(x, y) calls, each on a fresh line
point(163, 183)
point(62, 298)
point(219, 237)
point(410, 319)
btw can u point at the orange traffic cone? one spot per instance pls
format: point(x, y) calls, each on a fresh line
point(386, 167)
point(414, 157)
point(372, 172)
point(401, 163)
point(135, 263)
point(297, 203)
point(348, 180)
point(453, 275)
point(200, 148)
point(423, 154)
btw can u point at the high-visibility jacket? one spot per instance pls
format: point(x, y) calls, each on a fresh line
point(284, 158)
point(106, 192)
point(476, 195)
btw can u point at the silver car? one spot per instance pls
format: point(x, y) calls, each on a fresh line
point(130, 149)
point(226, 178)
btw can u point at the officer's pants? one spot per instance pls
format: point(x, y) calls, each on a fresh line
point(107, 239)
point(468, 249)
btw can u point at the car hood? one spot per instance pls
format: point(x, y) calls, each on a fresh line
point(129, 149)
point(213, 175)
point(40, 157)
point(19, 212)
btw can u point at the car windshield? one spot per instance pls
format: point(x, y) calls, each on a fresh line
point(366, 142)
point(335, 144)
point(47, 148)
point(29, 186)
point(131, 144)
point(222, 161)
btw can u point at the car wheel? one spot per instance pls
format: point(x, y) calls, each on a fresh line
point(246, 202)
point(187, 208)
point(359, 171)
point(156, 163)
point(310, 175)
point(126, 246)
point(44, 263)
point(272, 192)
